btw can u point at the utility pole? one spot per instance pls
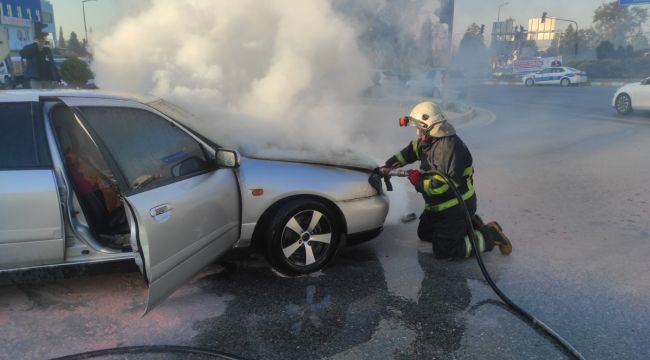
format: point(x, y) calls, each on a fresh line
point(83, 8)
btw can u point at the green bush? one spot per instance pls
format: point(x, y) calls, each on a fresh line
point(630, 68)
point(75, 72)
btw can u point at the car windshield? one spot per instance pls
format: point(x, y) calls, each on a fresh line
point(289, 211)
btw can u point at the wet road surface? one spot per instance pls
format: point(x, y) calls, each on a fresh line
point(564, 175)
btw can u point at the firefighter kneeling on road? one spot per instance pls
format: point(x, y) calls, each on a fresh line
point(443, 221)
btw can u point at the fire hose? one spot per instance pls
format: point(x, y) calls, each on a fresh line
point(533, 321)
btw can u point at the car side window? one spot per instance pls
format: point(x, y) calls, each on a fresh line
point(149, 150)
point(18, 136)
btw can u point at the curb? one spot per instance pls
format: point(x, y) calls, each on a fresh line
point(463, 117)
point(498, 82)
point(591, 83)
point(607, 83)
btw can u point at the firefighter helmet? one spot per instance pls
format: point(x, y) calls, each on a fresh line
point(428, 117)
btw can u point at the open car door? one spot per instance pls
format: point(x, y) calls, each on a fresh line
point(181, 197)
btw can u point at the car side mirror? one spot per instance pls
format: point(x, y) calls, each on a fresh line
point(644, 82)
point(225, 158)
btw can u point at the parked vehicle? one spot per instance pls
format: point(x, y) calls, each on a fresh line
point(562, 75)
point(633, 96)
point(5, 75)
point(430, 83)
point(89, 177)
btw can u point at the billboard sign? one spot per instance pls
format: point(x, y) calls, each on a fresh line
point(538, 30)
point(4, 44)
point(533, 65)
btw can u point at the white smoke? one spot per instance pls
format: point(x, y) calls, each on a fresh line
point(286, 68)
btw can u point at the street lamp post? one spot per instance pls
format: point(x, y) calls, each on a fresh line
point(499, 12)
point(83, 7)
point(497, 31)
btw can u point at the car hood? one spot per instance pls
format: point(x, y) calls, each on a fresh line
point(347, 159)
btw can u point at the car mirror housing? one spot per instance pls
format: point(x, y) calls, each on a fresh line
point(225, 158)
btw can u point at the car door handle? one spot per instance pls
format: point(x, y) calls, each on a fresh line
point(161, 213)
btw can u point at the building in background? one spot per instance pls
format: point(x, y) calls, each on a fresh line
point(17, 17)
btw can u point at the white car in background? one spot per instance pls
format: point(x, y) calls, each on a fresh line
point(429, 83)
point(632, 96)
point(560, 75)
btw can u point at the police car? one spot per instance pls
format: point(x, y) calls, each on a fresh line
point(560, 75)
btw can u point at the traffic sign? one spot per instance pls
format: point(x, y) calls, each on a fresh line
point(633, 2)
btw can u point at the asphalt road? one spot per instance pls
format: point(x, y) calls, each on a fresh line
point(563, 174)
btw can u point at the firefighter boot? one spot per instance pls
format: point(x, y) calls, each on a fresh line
point(502, 241)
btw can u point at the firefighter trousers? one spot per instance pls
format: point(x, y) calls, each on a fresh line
point(447, 231)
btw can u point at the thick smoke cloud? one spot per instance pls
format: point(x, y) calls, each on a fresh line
point(283, 67)
point(270, 78)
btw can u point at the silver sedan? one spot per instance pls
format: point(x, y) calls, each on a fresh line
point(90, 177)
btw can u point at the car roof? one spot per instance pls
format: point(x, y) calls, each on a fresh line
point(34, 95)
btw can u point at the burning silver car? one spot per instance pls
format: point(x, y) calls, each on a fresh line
point(89, 177)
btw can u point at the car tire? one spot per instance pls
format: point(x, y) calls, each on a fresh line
point(565, 82)
point(302, 237)
point(530, 82)
point(623, 104)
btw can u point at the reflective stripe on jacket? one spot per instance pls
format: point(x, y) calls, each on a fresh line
point(448, 155)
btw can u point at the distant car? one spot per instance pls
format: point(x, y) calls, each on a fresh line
point(560, 75)
point(5, 76)
point(633, 96)
point(386, 78)
point(430, 83)
point(88, 177)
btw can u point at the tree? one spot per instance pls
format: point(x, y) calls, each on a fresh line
point(74, 46)
point(473, 39)
point(75, 72)
point(570, 39)
point(473, 54)
point(639, 41)
point(61, 38)
point(616, 23)
point(605, 50)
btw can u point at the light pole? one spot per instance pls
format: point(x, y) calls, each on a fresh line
point(83, 7)
point(497, 30)
point(499, 12)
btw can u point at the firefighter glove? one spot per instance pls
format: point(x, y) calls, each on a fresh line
point(414, 176)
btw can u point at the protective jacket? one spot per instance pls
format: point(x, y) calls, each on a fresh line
point(448, 155)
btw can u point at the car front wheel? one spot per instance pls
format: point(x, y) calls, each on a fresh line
point(302, 237)
point(565, 82)
point(623, 104)
point(530, 82)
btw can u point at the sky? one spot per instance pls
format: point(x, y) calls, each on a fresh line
point(101, 14)
point(486, 11)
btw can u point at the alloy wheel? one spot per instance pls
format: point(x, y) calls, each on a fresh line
point(306, 238)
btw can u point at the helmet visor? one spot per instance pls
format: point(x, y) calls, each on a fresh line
point(411, 121)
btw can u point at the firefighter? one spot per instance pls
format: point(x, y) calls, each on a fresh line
point(443, 222)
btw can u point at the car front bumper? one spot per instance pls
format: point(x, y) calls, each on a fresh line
point(364, 214)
